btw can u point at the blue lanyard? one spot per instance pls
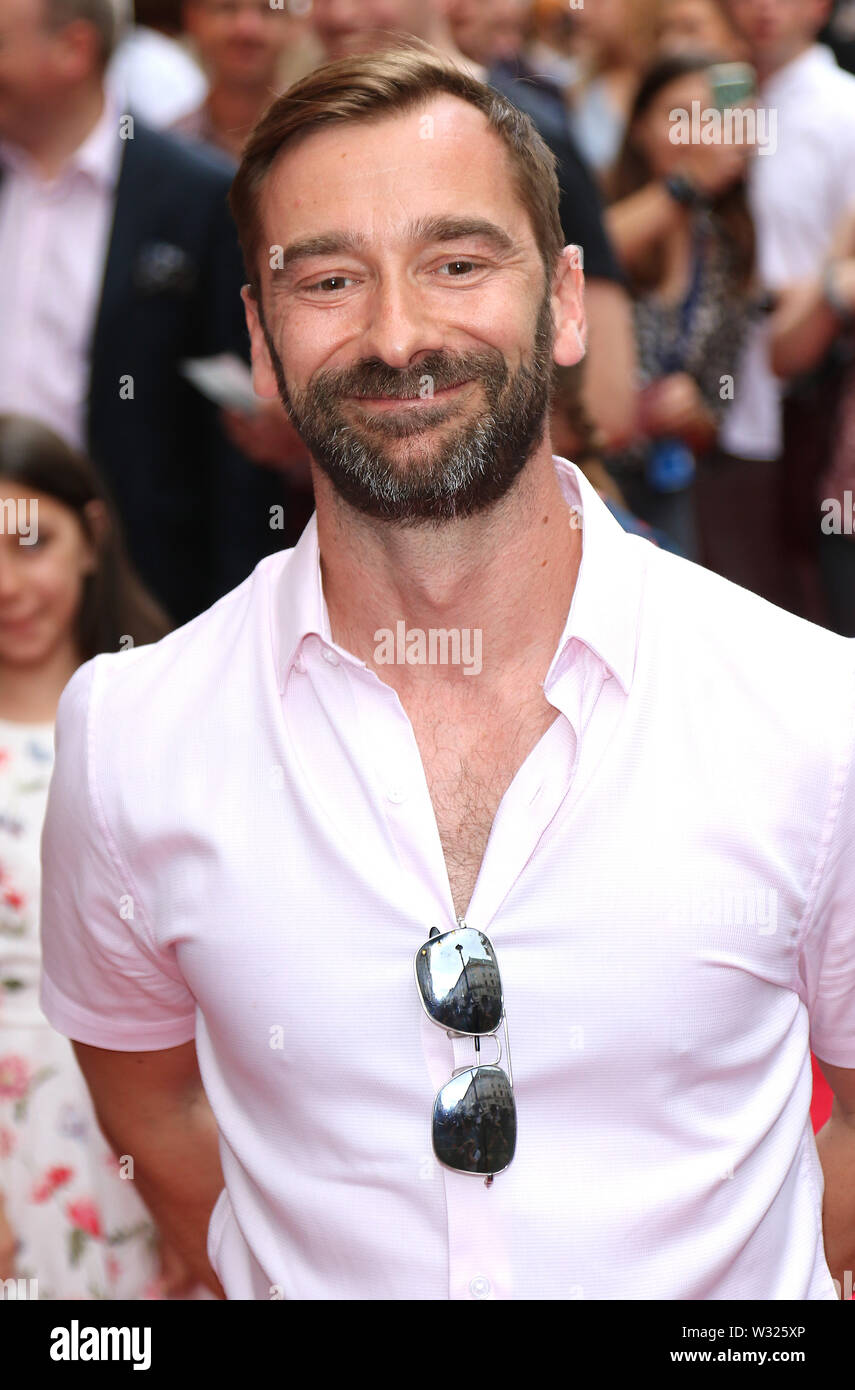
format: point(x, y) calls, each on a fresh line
point(673, 359)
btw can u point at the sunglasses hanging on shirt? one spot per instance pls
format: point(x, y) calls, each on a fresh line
point(474, 1115)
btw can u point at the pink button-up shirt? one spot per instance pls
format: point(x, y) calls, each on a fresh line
point(54, 236)
point(240, 846)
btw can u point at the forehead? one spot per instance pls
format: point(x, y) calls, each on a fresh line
point(440, 156)
point(17, 496)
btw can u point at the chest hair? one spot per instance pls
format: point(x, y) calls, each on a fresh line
point(469, 762)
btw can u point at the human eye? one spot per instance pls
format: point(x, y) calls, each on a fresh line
point(470, 267)
point(337, 282)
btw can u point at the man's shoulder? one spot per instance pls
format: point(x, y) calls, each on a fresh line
point(717, 628)
point(843, 80)
point(830, 87)
point(145, 696)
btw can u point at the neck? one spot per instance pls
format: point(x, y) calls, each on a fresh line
point(30, 694)
point(234, 110)
point(65, 129)
point(507, 574)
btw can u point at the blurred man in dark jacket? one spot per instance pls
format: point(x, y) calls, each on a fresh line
point(118, 261)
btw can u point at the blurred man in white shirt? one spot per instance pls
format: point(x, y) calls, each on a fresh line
point(798, 193)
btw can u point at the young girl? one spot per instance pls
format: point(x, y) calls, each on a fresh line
point(69, 1219)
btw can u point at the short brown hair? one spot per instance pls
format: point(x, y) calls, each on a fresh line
point(100, 14)
point(369, 86)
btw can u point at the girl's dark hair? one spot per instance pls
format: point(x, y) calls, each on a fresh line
point(631, 173)
point(115, 603)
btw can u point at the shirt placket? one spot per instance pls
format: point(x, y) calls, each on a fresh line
point(479, 1261)
point(406, 801)
point(480, 1265)
point(526, 809)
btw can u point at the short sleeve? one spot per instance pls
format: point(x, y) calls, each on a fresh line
point(104, 982)
point(828, 954)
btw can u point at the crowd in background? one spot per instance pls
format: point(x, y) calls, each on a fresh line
point(713, 406)
point(714, 410)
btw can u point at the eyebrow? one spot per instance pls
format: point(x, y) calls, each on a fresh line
point(423, 230)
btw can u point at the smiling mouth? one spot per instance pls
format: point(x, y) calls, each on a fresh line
point(392, 403)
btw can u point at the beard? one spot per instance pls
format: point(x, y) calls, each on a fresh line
point(442, 473)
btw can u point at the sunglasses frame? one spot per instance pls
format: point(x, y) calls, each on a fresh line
point(476, 1037)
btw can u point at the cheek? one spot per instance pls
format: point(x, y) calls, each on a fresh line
point(58, 584)
point(668, 153)
point(662, 151)
point(41, 75)
point(330, 340)
point(310, 353)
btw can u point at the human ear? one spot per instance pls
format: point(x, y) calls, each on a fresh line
point(263, 376)
point(568, 308)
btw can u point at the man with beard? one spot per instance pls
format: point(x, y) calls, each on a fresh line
point(288, 910)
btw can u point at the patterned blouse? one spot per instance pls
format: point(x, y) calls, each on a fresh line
point(81, 1229)
point(707, 346)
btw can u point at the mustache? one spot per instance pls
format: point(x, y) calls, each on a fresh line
point(374, 377)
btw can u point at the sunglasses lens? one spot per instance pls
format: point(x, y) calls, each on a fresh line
point(475, 1122)
point(459, 981)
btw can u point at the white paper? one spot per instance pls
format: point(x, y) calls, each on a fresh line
point(225, 379)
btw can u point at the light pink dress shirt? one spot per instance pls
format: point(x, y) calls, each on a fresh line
point(240, 846)
point(54, 236)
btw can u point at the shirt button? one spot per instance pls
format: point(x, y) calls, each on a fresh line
point(300, 665)
point(397, 794)
point(479, 1287)
point(330, 656)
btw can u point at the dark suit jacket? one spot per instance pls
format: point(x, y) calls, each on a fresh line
point(580, 206)
point(195, 511)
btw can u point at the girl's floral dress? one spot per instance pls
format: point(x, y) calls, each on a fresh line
point(82, 1230)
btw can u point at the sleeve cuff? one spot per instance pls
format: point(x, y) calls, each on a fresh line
point(838, 1053)
point(116, 1035)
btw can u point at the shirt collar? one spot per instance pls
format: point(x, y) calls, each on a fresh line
point(99, 156)
point(604, 613)
point(605, 610)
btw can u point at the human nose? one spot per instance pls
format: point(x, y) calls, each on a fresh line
point(398, 323)
point(249, 20)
